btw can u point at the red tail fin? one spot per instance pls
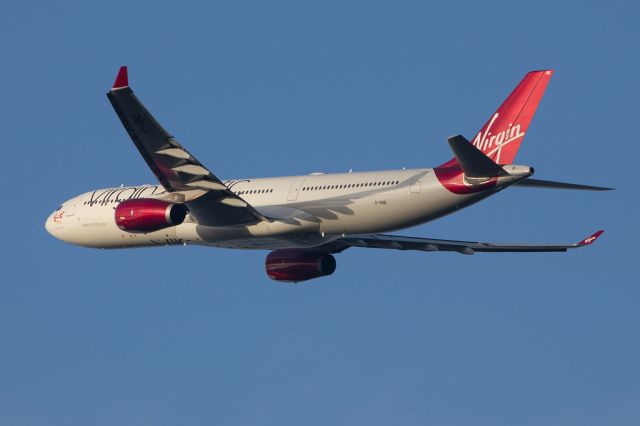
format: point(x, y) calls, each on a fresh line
point(500, 138)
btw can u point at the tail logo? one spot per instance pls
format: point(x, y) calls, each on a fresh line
point(485, 141)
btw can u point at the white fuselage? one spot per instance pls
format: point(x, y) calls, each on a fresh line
point(304, 211)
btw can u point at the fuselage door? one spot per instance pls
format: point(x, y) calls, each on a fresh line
point(416, 182)
point(293, 192)
point(69, 210)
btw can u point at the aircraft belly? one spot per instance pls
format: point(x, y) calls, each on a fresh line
point(263, 235)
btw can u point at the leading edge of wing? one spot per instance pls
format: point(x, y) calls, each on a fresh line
point(384, 241)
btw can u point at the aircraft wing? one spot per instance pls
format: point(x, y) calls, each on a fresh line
point(464, 247)
point(174, 167)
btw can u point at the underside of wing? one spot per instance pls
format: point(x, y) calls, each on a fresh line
point(209, 200)
point(464, 247)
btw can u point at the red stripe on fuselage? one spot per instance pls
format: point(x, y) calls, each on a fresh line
point(451, 176)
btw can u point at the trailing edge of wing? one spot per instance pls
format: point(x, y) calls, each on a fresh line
point(464, 247)
point(549, 184)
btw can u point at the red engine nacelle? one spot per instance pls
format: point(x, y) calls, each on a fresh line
point(295, 265)
point(148, 215)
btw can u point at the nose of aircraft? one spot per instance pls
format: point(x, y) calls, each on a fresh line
point(52, 227)
point(48, 225)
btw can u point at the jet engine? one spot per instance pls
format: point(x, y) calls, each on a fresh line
point(147, 215)
point(295, 265)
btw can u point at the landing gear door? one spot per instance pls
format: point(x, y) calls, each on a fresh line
point(295, 188)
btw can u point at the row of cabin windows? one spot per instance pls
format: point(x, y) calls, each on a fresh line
point(268, 191)
point(255, 191)
point(352, 185)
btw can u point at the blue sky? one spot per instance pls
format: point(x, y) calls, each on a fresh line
point(202, 336)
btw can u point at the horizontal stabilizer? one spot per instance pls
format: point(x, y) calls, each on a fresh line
point(537, 183)
point(473, 162)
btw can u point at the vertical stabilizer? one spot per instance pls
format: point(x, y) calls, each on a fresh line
point(501, 136)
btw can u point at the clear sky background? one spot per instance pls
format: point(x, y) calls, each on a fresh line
point(201, 336)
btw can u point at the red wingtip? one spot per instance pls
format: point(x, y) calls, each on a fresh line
point(122, 80)
point(590, 239)
point(542, 71)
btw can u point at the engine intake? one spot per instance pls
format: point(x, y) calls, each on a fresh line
point(295, 265)
point(148, 215)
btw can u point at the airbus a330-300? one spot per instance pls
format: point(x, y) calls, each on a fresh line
point(303, 220)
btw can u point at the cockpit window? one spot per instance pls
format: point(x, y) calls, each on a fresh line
point(59, 207)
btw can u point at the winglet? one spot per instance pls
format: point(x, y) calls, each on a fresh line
point(122, 80)
point(590, 239)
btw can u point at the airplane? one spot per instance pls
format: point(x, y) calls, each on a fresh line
point(304, 220)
